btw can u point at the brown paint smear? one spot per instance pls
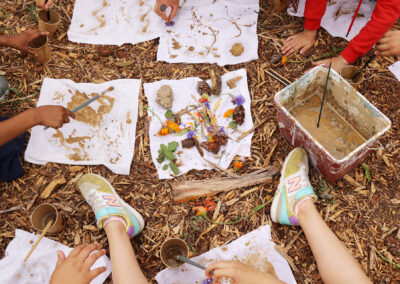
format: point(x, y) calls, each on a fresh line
point(128, 118)
point(101, 21)
point(334, 134)
point(175, 44)
point(88, 114)
point(237, 49)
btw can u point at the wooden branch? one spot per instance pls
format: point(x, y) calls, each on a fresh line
point(184, 191)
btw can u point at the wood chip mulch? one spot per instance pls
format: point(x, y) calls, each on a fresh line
point(363, 213)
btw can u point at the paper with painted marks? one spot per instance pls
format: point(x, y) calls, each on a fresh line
point(114, 22)
point(41, 264)
point(210, 123)
point(255, 249)
point(208, 31)
point(102, 132)
point(395, 69)
point(338, 16)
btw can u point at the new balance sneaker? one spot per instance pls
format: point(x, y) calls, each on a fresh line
point(294, 187)
point(105, 202)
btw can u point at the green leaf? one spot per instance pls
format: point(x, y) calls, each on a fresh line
point(15, 91)
point(170, 156)
point(172, 146)
point(161, 158)
point(367, 172)
point(169, 114)
point(164, 148)
point(174, 168)
point(165, 167)
point(232, 125)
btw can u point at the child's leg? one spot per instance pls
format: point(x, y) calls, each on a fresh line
point(121, 222)
point(293, 205)
point(124, 265)
point(335, 263)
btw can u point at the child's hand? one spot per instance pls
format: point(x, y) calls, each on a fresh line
point(338, 63)
point(43, 5)
point(53, 116)
point(239, 273)
point(174, 4)
point(389, 44)
point(76, 267)
point(21, 40)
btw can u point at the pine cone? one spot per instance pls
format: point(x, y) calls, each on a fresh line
point(220, 139)
point(203, 88)
point(211, 147)
point(238, 115)
point(188, 143)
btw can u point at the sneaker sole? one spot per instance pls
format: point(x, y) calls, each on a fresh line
point(126, 206)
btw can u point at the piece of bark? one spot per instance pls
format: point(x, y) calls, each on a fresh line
point(52, 185)
point(184, 191)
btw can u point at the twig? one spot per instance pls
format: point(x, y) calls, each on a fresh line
point(278, 77)
point(15, 208)
point(17, 99)
point(384, 258)
point(323, 96)
point(252, 129)
point(39, 239)
point(228, 173)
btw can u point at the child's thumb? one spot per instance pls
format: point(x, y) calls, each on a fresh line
point(61, 258)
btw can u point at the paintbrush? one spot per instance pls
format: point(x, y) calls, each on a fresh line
point(323, 96)
point(362, 68)
point(48, 12)
point(39, 239)
point(191, 262)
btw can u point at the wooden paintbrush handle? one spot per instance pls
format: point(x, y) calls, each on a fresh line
point(39, 239)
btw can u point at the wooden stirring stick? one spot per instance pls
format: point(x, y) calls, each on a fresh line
point(362, 68)
point(323, 96)
point(39, 239)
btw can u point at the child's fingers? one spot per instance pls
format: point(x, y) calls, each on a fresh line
point(224, 272)
point(76, 250)
point(96, 272)
point(384, 40)
point(61, 258)
point(70, 113)
point(87, 251)
point(173, 12)
point(93, 258)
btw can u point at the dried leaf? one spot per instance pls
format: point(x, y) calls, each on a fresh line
point(51, 186)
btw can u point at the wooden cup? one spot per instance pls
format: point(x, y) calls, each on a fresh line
point(173, 244)
point(349, 71)
point(43, 214)
point(41, 46)
point(49, 26)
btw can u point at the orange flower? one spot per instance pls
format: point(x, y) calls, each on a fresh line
point(284, 60)
point(173, 126)
point(229, 112)
point(201, 210)
point(209, 204)
point(237, 165)
point(163, 131)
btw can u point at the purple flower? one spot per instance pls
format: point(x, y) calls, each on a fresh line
point(221, 130)
point(191, 134)
point(207, 104)
point(169, 24)
point(207, 281)
point(239, 100)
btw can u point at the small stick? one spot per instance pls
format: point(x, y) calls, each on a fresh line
point(48, 12)
point(228, 173)
point(323, 96)
point(362, 68)
point(39, 239)
point(278, 77)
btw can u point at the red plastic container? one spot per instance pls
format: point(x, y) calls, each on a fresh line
point(363, 116)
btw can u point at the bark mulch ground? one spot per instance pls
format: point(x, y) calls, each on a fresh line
point(363, 212)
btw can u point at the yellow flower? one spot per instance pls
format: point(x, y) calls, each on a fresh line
point(284, 60)
point(173, 126)
point(163, 131)
point(228, 113)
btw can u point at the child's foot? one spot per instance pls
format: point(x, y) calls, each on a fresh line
point(302, 41)
point(294, 187)
point(107, 205)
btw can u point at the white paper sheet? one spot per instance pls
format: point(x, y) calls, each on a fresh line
point(395, 69)
point(206, 30)
point(255, 249)
point(111, 142)
point(114, 22)
point(191, 158)
point(42, 262)
point(339, 14)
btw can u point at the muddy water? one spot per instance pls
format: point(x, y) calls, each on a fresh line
point(337, 136)
point(171, 254)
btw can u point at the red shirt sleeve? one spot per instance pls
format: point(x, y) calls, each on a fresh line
point(383, 17)
point(313, 13)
